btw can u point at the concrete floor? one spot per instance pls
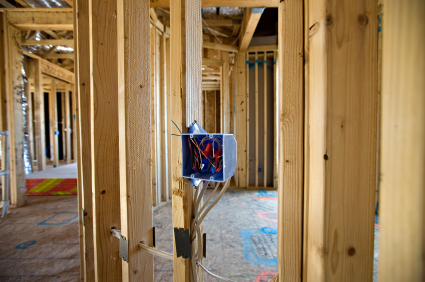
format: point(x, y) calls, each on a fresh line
point(39, 242)
point(62, 171)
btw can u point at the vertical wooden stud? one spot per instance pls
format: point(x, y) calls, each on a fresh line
point(241, 119)
point(134, 136)
point(256, 120)
point(341, 139)
point(291, 140)
point(15, 121)
point(170, 125)
point(225, 93)
point(265, 120)
point(104, 140)
point(248, 153)
point(40, 123)
point(158, 118)
point(163, 116)
point(276, 122)
point(53, 123)
point(84, 86)
point(67, 124)
point(402, 194)
point(153, 119)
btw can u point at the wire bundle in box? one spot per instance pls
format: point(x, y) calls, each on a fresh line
point(206, 154)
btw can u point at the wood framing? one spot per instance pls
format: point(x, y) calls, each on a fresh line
point(182, 192)
point(251, 18)
point(221, 47)
point(12, 64)
point(265, 120)
point(53, 124)
point(134, 137)
point(66, 42)
point(104, 140)
point(256, 119)
point(291, 140)
point(84, 69)
point(342, 112)
point(262, 48)
point(248, 153)
point(163, 116)
point(241, 120)
point(221, 3)
point(67, 125)
point(402, 194)
point(276, 122)
point(41, 19)
point(225, 107)
point(153, 119)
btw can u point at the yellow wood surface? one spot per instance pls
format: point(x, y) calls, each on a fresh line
point(104, 140)
point(402, 194)
point(265, 94)
point(152, 115)
point(134, 137)
point(225, 93)
point(85, 81)
point(256, 98)
point(241, 120)
point(224, 3)
point(67, 124)
point(53, 124)
point(248, 28)
point(291, 140)
point(342, 140)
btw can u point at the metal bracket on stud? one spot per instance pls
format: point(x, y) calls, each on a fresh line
point(182, 239)
point(124, 248)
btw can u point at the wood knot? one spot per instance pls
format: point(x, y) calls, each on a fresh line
point(362, 20)
point(103, 191)
point(351, 252)
point(329, 20)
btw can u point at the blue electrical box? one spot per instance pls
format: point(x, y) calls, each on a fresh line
point(210, 157)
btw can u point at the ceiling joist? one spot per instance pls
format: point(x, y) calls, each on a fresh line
point(221, 3)
point(56, 42)
point(251, 19)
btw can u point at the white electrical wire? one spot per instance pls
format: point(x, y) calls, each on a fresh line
point(212, 31)
point(201, 217)
point(215, 275)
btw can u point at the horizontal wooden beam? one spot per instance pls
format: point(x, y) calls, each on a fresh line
point(44, 26)
point(52, 70)
point(211, 62)
point(7, 4)
point(221, 3)
point(59, 56)
point(218, 31)
point(66, 42)
point(262, 48)
point(41, 19)
point(226, 22)
point(221, 47)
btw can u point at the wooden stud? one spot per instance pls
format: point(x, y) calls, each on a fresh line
point(153, 119)
point(402, 194)
point(163, 115)
point(104, 140)
point(84, 86)
point(29, 114)
point(248, 153)
point(74, 122)
point(182, 192)
point(77, 145)
point(40, 135)
point(67, 124)
point(134, 137)
point(170, 126)
point(265, 121)
point(342, 138)
point(53, 124)
point(251, 18)
point(276, 122)
point(225, 107)
point(241, 120)
point(158, 118)
point(291, 142)
point(256, 120)
point(13, 65)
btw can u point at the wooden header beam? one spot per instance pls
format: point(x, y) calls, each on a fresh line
point(57, 42)
point(251, 19)
point(53, 70)
point(221, 3)
point(221, 47)
point(41, 19)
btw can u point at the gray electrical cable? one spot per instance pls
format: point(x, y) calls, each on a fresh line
point(203, 207)
point(215, 275)
point(201, 218)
